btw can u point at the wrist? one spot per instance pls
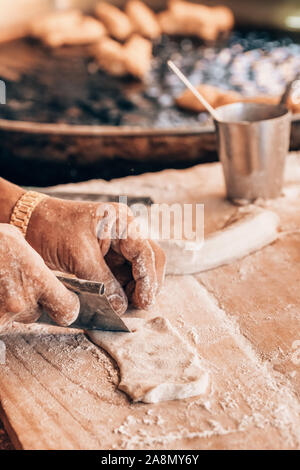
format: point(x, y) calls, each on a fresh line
point(41, 221)
point(9, 195)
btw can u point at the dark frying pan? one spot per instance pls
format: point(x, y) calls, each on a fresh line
point(91, 143)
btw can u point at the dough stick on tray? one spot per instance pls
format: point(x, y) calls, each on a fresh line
point(67, 28)
point(191, 15)
point(219, 97)
point(174, 24)
point(143, 19)
point(56, 20)
point(110, 56)
point(116, 21)
point(134, 57)
point(187, 99)
point(187, 18)
point(223, 17)
point(194, 90)
point(138, 56)
point(250, 232)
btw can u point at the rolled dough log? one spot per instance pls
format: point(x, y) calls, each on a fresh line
point(155, 363)
point(249, 232)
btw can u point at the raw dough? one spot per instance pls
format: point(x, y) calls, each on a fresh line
point(250, 232)
point(155, 363)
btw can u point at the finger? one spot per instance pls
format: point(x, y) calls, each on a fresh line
point(30, 315)
point(5, 321)
point(94, 268)
point(61, 304)
point(12, 304)
point(18, 309)
point(139, 252)
point(160, 263)
point(112, 218)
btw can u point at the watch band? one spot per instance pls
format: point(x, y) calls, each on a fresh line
point(24, 208)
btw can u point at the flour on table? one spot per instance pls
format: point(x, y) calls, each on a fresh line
point(155, 363)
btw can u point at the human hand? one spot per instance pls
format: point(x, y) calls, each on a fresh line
point(27, 286)
point(87, 240)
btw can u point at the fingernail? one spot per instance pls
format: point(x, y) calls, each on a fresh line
point(118, 303)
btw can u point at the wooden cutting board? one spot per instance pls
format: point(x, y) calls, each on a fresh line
point(59, 391)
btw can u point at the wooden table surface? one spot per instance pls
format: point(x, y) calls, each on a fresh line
point(57, 390)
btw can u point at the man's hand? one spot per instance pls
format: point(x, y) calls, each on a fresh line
point(27, 286)
point(99, 242)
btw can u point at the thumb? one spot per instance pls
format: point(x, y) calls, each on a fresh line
point(61, 304)
point(94, 268)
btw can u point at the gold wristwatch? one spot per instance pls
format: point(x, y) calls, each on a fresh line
point(24, 208)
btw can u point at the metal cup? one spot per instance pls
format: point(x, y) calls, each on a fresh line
point(253, 141)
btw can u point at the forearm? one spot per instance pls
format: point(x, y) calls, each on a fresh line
point(9, 195)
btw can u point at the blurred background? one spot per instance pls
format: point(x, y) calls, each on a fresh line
point(67, 120)
point(283, 14)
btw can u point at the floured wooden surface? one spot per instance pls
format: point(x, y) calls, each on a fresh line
point(268, 311)
point(58, 390)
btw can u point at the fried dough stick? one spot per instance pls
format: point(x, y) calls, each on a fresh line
point(223, 18)
point(218, 97)
point(212, 94)
point(143, 19)
point(116, 21)
point(67, 28)
point(185, 18)
point(110, 56)
point(138, 56)
point(184, 22)
point(134, 57)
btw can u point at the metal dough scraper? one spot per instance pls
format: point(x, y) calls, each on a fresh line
point(96, 313)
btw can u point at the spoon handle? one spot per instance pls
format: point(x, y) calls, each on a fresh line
point(194, 90)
